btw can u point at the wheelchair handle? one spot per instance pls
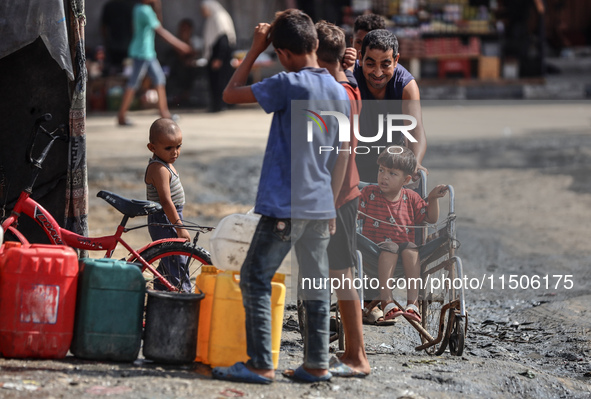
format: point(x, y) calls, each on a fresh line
point(423, 179)
point(452, 200)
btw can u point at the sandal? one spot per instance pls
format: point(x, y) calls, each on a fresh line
point(391, 311)
point(239, 373)
point(371, 317)
point(301, 375)
point(412, 313)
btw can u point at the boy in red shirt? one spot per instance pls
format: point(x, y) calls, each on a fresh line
point(389, 211)
point(342, 246)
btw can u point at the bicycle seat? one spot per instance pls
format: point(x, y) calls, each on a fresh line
point(130, 207)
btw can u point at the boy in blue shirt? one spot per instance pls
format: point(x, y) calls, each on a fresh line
point(294, 196)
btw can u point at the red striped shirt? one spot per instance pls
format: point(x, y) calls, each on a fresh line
point(409, 210)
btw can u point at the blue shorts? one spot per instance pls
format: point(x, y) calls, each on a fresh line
point(140, 68)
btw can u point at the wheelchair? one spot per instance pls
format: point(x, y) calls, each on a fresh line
point(444, 318)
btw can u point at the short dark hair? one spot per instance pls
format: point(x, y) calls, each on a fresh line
point(398, 157)
point(380, 39)
point(331, 42)
point(369, 22)
point(293, 30)
point(162, 127)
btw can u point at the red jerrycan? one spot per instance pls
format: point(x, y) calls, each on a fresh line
point(37, 300)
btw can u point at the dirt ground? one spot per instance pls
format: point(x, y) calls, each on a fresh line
point(521, 174)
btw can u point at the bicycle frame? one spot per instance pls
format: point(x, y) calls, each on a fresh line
point(60, 236)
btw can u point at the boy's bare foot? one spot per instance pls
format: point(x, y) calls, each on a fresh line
point(357, 364)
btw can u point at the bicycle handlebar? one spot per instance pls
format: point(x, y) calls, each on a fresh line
point(54, 135)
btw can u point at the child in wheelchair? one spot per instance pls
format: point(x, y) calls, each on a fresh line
point(389, 214)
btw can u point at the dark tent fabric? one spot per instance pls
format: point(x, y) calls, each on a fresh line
point(34, 82)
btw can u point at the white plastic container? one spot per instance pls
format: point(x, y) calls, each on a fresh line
point(231, 239)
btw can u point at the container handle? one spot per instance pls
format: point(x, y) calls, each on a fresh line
point(197, 288)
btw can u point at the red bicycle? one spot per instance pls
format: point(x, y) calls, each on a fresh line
point(149, 256)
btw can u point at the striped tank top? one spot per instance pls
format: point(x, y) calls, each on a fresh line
point(176, 188)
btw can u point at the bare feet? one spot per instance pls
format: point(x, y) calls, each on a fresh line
point(357, 364)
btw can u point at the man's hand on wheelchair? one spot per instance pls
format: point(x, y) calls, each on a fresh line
point(417, 175)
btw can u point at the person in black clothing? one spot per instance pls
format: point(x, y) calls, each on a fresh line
point(219, 40)
point(183, 67)
point(116, 30)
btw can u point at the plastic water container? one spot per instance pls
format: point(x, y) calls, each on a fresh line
point(231, 239)
point(206, 283)
point(227, 341)
point(109, 310)
point(37, 300)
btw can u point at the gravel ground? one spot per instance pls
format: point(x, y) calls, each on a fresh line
point(522, 202)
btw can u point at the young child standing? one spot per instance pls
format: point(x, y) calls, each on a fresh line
point(388, 211)
point(163, 185)
point(294, 195)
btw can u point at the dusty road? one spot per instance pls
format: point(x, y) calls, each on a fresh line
point(521, 175)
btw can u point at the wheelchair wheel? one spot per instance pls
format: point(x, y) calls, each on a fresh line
point(433, 299)
point(302, 319)
point(336, 333)
point(456, 339)
point(340, 330)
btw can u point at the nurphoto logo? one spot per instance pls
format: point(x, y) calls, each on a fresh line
point(344, 126)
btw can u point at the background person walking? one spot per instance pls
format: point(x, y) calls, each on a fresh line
point(143, 52)
point(219, 39)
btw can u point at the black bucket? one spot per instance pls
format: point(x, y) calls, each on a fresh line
point(172, 321)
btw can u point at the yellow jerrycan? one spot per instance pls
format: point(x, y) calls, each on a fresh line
point(227, 338)
point(206, 282)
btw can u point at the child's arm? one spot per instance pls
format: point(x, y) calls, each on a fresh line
point(236, 92)
point(175, 42)
point(158, 176)
point(433, 203)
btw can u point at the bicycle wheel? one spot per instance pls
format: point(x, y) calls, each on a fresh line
point(434, 296)
point(163, 255)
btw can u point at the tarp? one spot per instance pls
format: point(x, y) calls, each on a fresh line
point(34, 34)
point(23, 21)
